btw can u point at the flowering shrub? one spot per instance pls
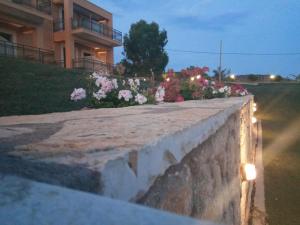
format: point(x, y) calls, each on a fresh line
point(238, 90)
point(195, 85)
point(111, 92)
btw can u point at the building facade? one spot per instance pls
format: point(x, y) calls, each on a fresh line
point(74, 33)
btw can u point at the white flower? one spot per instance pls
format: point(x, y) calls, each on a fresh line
point(137, 81)
point(115, 83)
point(221, 90)
point(95, 75)
point(160, 94)
point(214, 92)
point(99, 80)
point(78, 94)
point(131, 82)
point(99, 94)
point(126, 94)
point(141, 99)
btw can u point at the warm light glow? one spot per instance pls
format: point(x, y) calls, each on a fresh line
point(272, 76)
point(168, 79)
point(192, 78)
point(198, 77)
point(249, 172)
point(254, 120)
point(254, 104)
point(232, 76)
point(254, 109)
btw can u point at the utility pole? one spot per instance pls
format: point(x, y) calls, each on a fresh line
point(220, 63)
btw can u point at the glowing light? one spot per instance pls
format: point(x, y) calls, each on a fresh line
point(232, 76)
point(198, 77)
point(254, 109)
point(144, 79)
point(272, 76)
point(192, 78)
point(254, 120)
point(249, 172)
point(168, 79)
point(254, 104)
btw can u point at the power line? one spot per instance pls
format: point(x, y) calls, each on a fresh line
point(234, 53)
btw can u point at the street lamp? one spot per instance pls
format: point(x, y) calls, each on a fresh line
point(272, 77)
point(232, 76)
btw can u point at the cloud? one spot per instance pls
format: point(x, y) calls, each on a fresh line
point(216, 23)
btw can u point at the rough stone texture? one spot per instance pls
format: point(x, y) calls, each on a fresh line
point(31, 203)
point(205, 184)
point(181, 157)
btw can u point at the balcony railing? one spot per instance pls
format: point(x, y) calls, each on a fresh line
point(41, 5)
point(58, 25)
point(9, 49)
point(92, 65)
point(101, 29)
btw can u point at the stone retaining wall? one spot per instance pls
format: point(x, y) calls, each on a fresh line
point(180, 157)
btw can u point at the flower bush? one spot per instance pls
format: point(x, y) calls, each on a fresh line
point(191, 84)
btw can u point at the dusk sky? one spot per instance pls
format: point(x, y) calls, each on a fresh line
point(198, 25)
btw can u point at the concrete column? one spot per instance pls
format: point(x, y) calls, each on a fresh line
point(110, 56)
point(69, 40)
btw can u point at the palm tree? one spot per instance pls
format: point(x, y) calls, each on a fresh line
point(220, 74)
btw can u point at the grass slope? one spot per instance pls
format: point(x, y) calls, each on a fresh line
point(30, 88)
point(279, 109)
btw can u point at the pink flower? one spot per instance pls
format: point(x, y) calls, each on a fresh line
point(141, 99)
point(179, 98)
point(125, 94)
point(78, 94)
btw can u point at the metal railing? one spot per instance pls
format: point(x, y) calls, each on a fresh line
point(102, 29)
point(41, 5)
point(92, 65)
point(58, 25)
point(9, 49)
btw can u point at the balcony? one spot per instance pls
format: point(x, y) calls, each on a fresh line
point(9, 49)
point(41, 5)
point(89, 29)
point(92, 65)
point(30, 11)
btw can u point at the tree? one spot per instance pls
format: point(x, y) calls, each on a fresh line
point(144, 50)
point(225, 72)
point(252, 77)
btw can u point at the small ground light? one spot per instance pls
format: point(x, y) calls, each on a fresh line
point(232, 76)
point(192, 78)
point(248, 172)
point(144, 79)
point(254, 108)
point(272, 76)
point(198, 77)
point(254, 104)
point(254, 120)
point(168, 79)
